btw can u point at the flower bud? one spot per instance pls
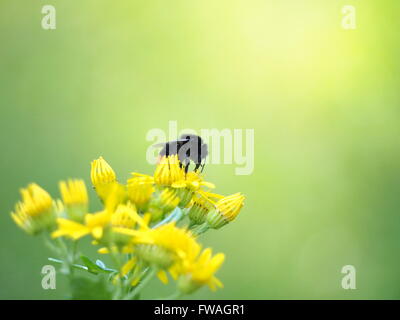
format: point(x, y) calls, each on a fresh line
point(125, 216)
point(101, 172)
point(140, 189)
point(199, 210)
point(169, 199)
point(168, 171)
point(36, 212)
point(186, 195)
point(75, 198)
point(165, 200)
point(155, 255)
point(226, 210)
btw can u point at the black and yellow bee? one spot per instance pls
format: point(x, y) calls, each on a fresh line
point(189, 148)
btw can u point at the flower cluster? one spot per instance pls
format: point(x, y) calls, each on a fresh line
point(149, 226)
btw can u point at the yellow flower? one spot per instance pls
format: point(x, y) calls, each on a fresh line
point(35, 212)
point(104, 181)
point(75, 198)
point(73, 192)
point(140, 188)
point(99, 225)
point(165, 200)
point(71, 229)
point(94, 224)
point(199, 209)
point(168, 171)
point(230, 206)
point(124, 217)
point(163, 246)
point(112, 194)
point(35, 200)
point(201, 272)
point(226, 210)
point(101, 172)
point(193, 181)
point(190, 185)
point(169, 199)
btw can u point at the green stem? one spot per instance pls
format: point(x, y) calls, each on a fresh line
point(61, 250)
point(141, 284)
point(175, 215)
point(135, 275)
point(201, 229)
point(72, 255)
point(76, 266)
point(116, 257)
point(192, 225)
point(51, 245)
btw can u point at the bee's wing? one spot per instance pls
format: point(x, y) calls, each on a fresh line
point(173, 142)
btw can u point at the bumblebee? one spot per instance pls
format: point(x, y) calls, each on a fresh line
point(189, 148)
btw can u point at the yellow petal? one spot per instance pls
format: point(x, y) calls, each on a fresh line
point(135, 282)
point(103, 250)
point(128, 232)
point(128, 266)
point(97, 232)
point(162, 275)
point(179, 184)
point(208, 184)
point(146, 219)
point(70, 228)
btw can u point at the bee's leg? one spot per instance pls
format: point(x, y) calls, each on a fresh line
point(202, 164)
point(187, 167)
point(197, 166)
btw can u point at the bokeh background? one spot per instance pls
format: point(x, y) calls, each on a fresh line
point(323, 101)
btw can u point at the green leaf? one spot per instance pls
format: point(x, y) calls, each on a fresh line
point(100, 264)
point(94, 267)
point(86, 289)
point(76, 266)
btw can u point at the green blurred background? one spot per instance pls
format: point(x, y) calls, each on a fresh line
point(323, 101)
